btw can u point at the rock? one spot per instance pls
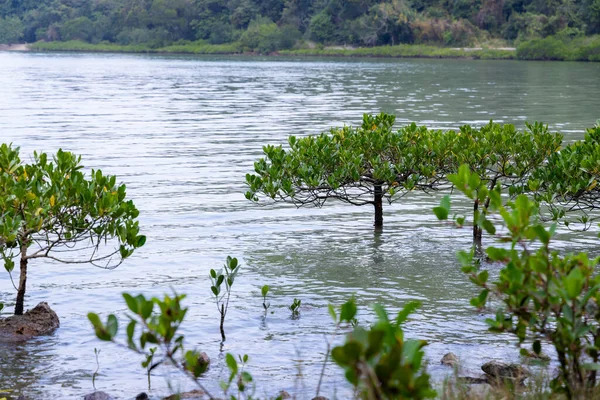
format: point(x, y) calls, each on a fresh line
point(320, 398)
point(142, 396)
point(97, 396)
point(284, 395)
point(194, 394)
point(470, 380)
point(480, 391)
point(450, 360)
point(203, 359)
point(497, 371)
point(40, 320)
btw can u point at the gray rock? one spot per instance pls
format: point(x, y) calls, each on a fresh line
point(498, 371)
point(40, 320)
point(142, 396)
point(97, 396)
point(284, 395)
point(320, 398)
point(450, 360)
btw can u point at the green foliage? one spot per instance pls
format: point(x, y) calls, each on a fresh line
point(264, 292)
point(159, 328)
point(359, 166)
point(264, 36)
point(561, 48)
point(160, 23)
point(545, 296)
point(379, 362)
point(569, 180)
point(225, 276)
point(11, 30)
point(295, 308)
point(52, 209)
point(502, 156)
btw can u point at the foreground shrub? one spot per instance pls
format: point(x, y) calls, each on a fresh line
point(545, 297)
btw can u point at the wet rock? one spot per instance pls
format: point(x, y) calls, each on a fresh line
point(480, 391)
point(450, 359)
point(194, 394)
point(142, 396)
point(320, 398)
point(471, 380)
point(498, 371)
point(284, 395)
point(203, 359)
point(97, 396)
point(40, 320)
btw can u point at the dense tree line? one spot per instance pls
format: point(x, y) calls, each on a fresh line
point(267, 25)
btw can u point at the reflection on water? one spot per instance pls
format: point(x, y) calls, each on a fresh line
point(182, 132)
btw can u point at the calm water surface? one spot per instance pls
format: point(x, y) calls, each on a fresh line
point(182, 132)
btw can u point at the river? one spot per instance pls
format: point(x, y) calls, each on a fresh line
point(182, 132)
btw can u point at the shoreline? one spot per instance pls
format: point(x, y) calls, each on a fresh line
point(521, 53)
point(398, 51)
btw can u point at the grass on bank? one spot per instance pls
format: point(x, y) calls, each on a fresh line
point(201, 47)
point(560, 48)
point(550, 48)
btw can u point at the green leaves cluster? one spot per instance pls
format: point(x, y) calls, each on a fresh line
point(569, 180)
point(545, 297)
point(50, 206)
point(348, 163)
point(154, 321)
point(355, 165)
point(379, 361)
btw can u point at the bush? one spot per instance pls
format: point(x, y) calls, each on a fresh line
point(264, 36)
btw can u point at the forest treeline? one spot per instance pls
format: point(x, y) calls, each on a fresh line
point(269, 25)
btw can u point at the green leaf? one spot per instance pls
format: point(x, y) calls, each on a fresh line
point(264, 290)
point(574, 283)
point(348, 310)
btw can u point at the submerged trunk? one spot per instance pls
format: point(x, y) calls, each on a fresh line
point(378, 203)
point(477, 231)
point(222, 322)
point(22, 281)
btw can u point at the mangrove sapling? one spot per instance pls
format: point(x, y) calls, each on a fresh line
point(95, 374)
point(264, 292)
point(50, 209)
point(545, 297)
point(237, 374)
point(295, 308)
point(226, 275)
point(360, 166)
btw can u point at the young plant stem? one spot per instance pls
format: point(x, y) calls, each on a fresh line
point(223, 320)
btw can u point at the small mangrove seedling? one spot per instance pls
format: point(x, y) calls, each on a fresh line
point(149, 363)
point(295, 308)
point(226, 275)
point(264, 292)
point(237, 374)
point(95, 374)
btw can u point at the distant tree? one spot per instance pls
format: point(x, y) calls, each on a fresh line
point(11, 30)
point(359, 166)
point(51, 210)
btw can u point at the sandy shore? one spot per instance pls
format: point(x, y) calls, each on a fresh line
point(14, 47)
